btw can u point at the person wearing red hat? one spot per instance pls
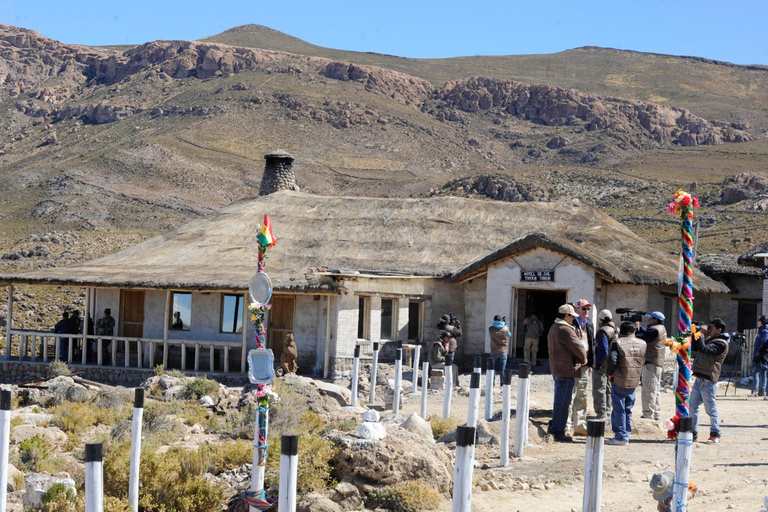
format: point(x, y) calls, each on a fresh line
point(586, 333)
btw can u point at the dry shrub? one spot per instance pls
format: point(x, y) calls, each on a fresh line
point(113, 504)
point(58, 368)
point(16, 421)
point(314, 471)
point(441, 426)
point(74, 418)
point(59, 498)
point(200, 387)
point(33, 451)
point(411, 496)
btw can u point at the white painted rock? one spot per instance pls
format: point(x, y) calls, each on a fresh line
point(371, 415)
point(206, 401)
point(37, 483)
point(417, 425)
point(372, 430)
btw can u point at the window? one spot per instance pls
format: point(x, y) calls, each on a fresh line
point(232, 313)
point(387, 319)
point(181, 311)
point(363, 314)
point(414, 320)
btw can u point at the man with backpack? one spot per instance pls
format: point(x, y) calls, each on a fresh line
point(533, 329)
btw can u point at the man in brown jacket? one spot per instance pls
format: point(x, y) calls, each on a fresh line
point(566, 357)
point(625, 365)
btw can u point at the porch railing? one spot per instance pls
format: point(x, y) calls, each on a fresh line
point(121, 351)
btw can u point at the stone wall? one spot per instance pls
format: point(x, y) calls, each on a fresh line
point(341, 370)
point(16, 372)
point(278, 173)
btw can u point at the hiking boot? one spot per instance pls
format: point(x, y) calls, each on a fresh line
point(761, 392)
point(713, 439)
point(616, 442)
point(562, 438)
point(695, 436)
point(580, 433)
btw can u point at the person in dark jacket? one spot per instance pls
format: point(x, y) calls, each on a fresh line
point(601, 388)
point(499, 334)
point(654, 337)
point(706, 368)
point(759, 359)
point(567, 355)
point(625, 365)
point(451, 325)
point(586, 333)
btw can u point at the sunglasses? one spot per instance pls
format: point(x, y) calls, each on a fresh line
point(585, 308)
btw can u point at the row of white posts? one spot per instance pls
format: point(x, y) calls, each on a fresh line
point(94, 475)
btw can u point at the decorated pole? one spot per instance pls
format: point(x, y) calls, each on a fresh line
point(415, 368)
point(261, 368)
point(133, 478)
point(5, 433)
point(682, 466)
point(489, 375)
point(424, 387)
point(398, 381)
point(355, 375)
point(374, 368)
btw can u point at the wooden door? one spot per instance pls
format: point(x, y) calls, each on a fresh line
point(132, 313)
point(280, 323)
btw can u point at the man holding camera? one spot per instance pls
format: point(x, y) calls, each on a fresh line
point(706, 368)
point(499, 333)
point(448, 329)
point(654, 337)
point(567, 355)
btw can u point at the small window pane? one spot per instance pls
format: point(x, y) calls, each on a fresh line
point(414, 320)
point(387, 317)
point(181, 313)
point(232, 314)
point(361, 309)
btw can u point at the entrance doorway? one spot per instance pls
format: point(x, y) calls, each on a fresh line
point(280, 323)
point(544, 305)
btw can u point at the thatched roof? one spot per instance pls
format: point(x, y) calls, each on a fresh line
point(717, 265)
point(748, 258)
point(318, 237)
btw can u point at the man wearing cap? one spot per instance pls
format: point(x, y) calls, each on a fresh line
point(601, 388)
point(653, 337)
point(586, 333)
point(625, 364)
point(706, 368)
point(566, 357)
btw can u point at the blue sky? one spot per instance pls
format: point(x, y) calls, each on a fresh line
point(730, 31)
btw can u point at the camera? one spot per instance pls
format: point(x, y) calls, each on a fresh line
point(738, 337)
point(630, 314)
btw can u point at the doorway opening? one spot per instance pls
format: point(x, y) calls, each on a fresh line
point(542, 303)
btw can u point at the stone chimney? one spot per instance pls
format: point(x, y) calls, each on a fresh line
point(278, 173)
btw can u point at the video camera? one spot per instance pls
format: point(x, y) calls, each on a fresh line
point(738, 337)
point(630, 314)
point(453, 320)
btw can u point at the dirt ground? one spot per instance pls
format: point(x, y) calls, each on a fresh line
point(732, 475)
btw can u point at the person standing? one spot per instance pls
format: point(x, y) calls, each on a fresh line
point(567, 355)
point(759, 360)
point(586, 333)
point(452, 326)
point(601, 388)
point(706, 368)
point(63, 326)
point(499, 333)
point(436, 356)
point(533, 331)
point(625, 365)
point(654, 337)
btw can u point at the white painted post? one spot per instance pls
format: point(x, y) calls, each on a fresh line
point(473, 411)
point(424, 387)
point(415, 368)
point(133, 479)
point(94, 478)
point(682, 465)
point(478, 366)
point(506, 391)
point(593, 470)
point(355, 375)
point(9, 324)
point(462, 474)
point(374, 369)
point(448, 386)
point(289, 464)
point(5, 435)
point(398, 381)
point(489, 374)
point(521, 417)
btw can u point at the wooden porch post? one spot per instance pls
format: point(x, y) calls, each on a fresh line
point(244, 353)
point(165, 328)
point(10, 323)
point(86, 317)
point(327, 357)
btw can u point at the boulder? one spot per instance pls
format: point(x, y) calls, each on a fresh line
point(371, 415)
point(372, 430)
point(12, 476)
point(396, 458)
point(314, 502)
point(418, 425)
point(23, 432)
point(206, 401)
point(347, 496)
point(37, 483)
point(483, 435)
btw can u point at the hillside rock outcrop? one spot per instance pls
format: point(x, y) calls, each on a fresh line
point(501, 187)
point(633, 122)
point(746, 186)
point(403, 88)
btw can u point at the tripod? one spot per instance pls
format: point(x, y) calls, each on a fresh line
point(741, 340)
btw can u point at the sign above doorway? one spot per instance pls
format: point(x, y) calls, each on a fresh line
point(527, 276)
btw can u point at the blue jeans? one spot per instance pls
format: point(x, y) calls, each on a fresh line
point(499, 365)
point(562, 402)
point(703, 391)
point(622, 400)
point(760, 378)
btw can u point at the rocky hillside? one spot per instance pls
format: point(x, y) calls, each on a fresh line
point(136, 141)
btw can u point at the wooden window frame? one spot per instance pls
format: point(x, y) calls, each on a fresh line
point(170, 312)
point(393, 326)
point(366, 330)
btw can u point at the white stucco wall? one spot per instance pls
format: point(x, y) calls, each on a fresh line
point(577, 280)
point(473, 323)
point(107, 298)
